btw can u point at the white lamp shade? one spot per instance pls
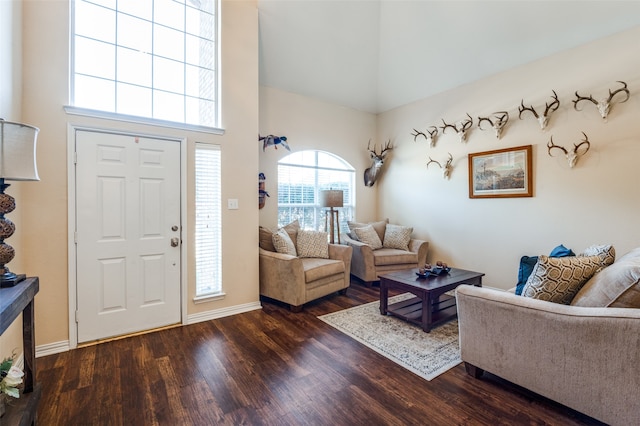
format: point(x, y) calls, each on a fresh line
point(331, 198)
point(18, 151)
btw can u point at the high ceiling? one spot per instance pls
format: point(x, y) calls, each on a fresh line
point(375, 55)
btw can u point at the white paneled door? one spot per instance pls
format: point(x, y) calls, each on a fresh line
point(127, 234)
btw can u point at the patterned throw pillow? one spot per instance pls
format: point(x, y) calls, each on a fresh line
point(368, 235)
point(378, 226)
point(558, 279)
point(283, 244)
point(606, 252)
point(397, 237)
point(313, 244)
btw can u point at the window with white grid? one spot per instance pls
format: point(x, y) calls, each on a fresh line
point(208, 220)
point(155, 59)
point(301, 177)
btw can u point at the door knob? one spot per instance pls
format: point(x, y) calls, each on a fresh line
point(175, 242)
point(174, 228)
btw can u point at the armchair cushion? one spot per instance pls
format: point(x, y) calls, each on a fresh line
point(368, 235)
point(397, 237)
point(315, 268)
point(283, 244)
point(388, 256)
point(313, 244)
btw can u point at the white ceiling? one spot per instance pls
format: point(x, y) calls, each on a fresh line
point(375, 55)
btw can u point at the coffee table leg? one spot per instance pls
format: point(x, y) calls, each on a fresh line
point(384, 297)
point(426, 312)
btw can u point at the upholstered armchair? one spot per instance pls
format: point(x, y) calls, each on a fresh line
point(298, 277)
point(389, 248)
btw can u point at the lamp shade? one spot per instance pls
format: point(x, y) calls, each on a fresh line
point(18, 151)
point(331, 198)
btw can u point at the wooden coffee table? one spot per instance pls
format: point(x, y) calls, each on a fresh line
point(430, 307)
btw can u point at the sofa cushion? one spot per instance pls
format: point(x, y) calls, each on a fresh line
point(266, 238)
point(617, 286)
point(316, 268)
point(312, 244)
point(558, 279)
point(282, 242)
point(397, 237)
point(368, 235)
point(387, 256)
point(606, 252)
point(528, 262)
point(378, 226)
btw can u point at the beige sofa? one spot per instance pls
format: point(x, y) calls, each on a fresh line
point(297, 280)
point(368, 263)
point(580, 355)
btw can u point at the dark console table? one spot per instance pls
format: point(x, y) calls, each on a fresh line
point(13, 301)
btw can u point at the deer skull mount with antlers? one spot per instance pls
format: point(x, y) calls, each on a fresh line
point(446, 169)
point(497, 120)
point(604, 106)
point(548, 109)
point(371, 173)
point(433, 134)
point(572, 156)
point(460, 128)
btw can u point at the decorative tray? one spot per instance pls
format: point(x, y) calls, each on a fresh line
point(433, 272)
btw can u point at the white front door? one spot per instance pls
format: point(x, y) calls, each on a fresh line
point(127, 234)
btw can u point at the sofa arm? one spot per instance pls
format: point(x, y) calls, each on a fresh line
point(343, 253)
point(584, 358)
point(362, 261)
point(281, 277)
point(421, 247)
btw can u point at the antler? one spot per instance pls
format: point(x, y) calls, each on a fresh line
point(431, 160)
point(444, 128)
point(551, 145)
point(555, 103)
point(523, 108)
point(572, 157)
point(387, 147)
point(582, 98)
point(501, 119)
point(622, 89)
point(577, 146)
point(466, 123)
point(418, 133)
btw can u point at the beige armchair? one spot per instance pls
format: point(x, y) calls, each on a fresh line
point(368, 261)
point(296, 281)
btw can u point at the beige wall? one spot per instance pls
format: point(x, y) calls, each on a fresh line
point(44, 208)
point(596, 202)
point(312, 124)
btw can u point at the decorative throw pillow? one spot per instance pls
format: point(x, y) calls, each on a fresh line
point(558, 279)
point(606, 252)
point(266, 238)
point(528, 262)
point(616, 286)
point(282, 242)
point(561, 251)
point(292, 229)
point(378, 226)
point(397, 237)
point(368, 235)
point(313, 244)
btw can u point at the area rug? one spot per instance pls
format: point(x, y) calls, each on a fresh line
point(426, 354)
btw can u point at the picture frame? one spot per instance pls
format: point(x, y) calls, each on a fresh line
point(501, 173)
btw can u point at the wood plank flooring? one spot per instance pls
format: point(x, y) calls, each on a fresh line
point(272, 367)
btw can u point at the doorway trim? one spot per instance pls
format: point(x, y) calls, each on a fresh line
point(71, 222)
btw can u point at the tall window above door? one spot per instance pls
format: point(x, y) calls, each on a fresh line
point(153, 59)
point(301, 177)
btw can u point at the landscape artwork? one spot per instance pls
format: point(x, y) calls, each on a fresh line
point(501, 173)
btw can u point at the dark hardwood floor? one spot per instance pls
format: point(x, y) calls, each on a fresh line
point(272, 367)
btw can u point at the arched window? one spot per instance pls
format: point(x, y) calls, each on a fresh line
point(301, 177)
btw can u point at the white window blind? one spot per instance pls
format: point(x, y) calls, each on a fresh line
point(155, 59)
point(208, 219)
point(301, 177)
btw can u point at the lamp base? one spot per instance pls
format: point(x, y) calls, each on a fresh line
point(9, 279)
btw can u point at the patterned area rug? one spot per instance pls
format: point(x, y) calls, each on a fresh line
point(426, 354)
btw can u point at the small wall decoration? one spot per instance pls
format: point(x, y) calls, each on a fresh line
point(272, 140)
point(433, 133)
point(501, 173)
point(578, 151)
point(371, 173)
point(446, 169)
point(549, 108)
point(604, 106)
point(262, 193)
point(497, 120)
point(460, 127)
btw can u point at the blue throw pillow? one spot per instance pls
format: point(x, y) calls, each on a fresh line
point(561, 251)
point(526, 267)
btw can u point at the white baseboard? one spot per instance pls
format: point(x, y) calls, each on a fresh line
point(52, 348)
point(224, 312)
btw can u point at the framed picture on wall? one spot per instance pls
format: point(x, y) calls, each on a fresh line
point(501, 173)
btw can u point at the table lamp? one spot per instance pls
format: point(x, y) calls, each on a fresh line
point(332, 198)
point(17, 162)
